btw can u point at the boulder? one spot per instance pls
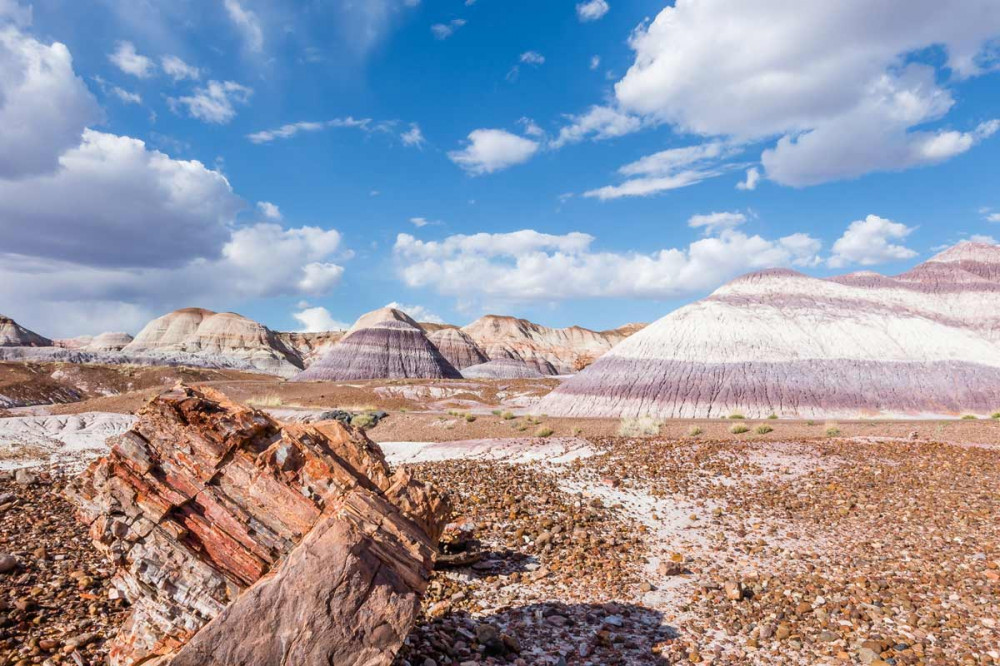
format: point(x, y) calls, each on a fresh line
point(239, 540)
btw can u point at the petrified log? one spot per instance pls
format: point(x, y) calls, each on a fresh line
point(239, 540)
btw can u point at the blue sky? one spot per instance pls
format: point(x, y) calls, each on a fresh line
point(569, 162)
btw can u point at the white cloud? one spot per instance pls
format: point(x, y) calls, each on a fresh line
point(491, 150)
point(318, 320)
point(827, 78)
point(714, 222)
point(126, 96)
point(269, 211)
point(15, 13)
point(532, 58)
point(114, 202)
point(993, 217)
point(293, 129)
point(44, 106)
point(216, 102)
point(592, 10)
point(421, 222)
point(179, 70)
point(446, 30)
point(599, 122)
point(129, 61)
point(413, 137)
point(417, 312)
point(867, 242)
point(751, 181)
point(980, 238)
point(669, 170)
point(247, 23)
point(595, 62)
point(531, 128)
point(530, 266)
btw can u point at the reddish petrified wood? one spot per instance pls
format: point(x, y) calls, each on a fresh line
point(275, 541)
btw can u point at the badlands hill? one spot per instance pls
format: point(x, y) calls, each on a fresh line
point(198, 334)
point(924, 343)
point(568, 350)
point(389, 349)
point(14, 335)
point(456, 346)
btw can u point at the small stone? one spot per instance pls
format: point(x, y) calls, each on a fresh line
point(7, 563)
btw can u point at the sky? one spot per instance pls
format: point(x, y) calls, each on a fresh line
point(589, 162)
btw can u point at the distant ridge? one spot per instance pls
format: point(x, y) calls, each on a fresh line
point(924, 343)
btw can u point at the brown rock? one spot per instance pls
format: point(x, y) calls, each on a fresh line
point(238, 540)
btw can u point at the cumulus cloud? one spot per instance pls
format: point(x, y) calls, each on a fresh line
point(531, 266)
point(417, 312)
point(834, 92)
point(714, 222)
point(600, 122)
point(868, 242)
point(214, 103)
point(247, 23)
point(179, 70)
point(269, 211)
point(751, 181)
point(595, 62)
point(592, 10)
point(114, 202)
point(445, 30)
point(44, 106)
point(491, 150)
point(532, 58)
point(318, 320)
point(129, 61)
point(669, 169)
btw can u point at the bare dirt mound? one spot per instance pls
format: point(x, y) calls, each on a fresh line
point(14, 335)
point(502, 368)
point(388, 350)
point(456, 346)
point(923, 344)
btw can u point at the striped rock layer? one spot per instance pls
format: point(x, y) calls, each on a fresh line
point(194, 333)
point(566, 350)
point(503, 368)
point(13, 334)
point(238, 540)
point(387, 350)
point(456, 346)
point(925, 343)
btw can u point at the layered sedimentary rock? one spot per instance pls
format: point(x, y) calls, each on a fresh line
point(456, 346)
point(108, 342)
point(14, 335)
point(241, 541)
point(200, 336)
point(504, 368)
point(381, 316)
point(568, 350)
point(924, 343)
point(388, 350)
point(310, 346)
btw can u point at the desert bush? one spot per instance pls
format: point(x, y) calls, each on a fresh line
point(270, 400)
point(363, 421)
point(739, 429)
point(764, 429)
point(810, 422)
point(995, 415)
point(969, 417)
point(497, 412)
point(507, 416)
point(773, 416)
point(644, 426)
point(695, 431)
point(544, 431)
point(577, 431)
point(832, 431)
point(470, 418)
point(736, 416)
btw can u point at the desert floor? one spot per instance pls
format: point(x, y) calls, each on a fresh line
point(877, 543)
